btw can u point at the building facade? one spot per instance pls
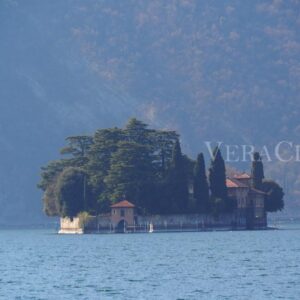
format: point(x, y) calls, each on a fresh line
point(250, 202)
point(123, 216)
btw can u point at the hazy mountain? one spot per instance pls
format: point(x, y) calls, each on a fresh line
point(214, 70)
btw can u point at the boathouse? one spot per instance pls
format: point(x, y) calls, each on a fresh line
point(123, 216)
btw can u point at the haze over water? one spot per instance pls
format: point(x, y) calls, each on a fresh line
point(39, 264)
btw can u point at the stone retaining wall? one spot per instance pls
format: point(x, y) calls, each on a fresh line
point(182, 222)
point(189, 222)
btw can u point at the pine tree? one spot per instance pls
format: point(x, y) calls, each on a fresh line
point(130, 174)
point(257, 171)
point(217, 177)
point(177, 182)
point(137, 131)
point(163, 143)
point(200, 185)
point(99, 155)
point(77, 149)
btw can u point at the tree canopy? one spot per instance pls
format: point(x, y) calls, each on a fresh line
point(131, 171)
point(70, 192)
point(274, 198)
point(147, 167)
point(133, 162)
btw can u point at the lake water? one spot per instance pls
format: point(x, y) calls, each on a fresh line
point(39, 264)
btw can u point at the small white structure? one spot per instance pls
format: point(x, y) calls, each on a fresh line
point(68, 226)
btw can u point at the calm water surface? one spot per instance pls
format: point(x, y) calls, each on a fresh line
point(38, 264)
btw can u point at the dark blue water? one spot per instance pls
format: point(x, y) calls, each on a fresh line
point(37, 264)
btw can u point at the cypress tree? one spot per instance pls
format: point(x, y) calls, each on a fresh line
point(217, 176)
point(257, 171)
point(200, 185)
point(177, 182)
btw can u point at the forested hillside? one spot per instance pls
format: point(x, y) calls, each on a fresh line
point(212, 70)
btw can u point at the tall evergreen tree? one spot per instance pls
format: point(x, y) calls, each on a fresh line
point(200, 185)
point(177, 182)
point(217, 176)
point(99, 155)
point(138, 132)
point(257, 171)
point(130, 174)
point(163, 143)
point(77, 149)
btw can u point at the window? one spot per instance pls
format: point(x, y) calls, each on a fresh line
point(122, 212)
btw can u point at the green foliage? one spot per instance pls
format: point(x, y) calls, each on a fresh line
point(77, 145)
point(274, 198)
point(99, 156)
point(177, 181)
point(137, 132)
point(50, 172)
point(77, 149)
point(132, 162)
point(257, 171)
point(162, 143)
point(130, 172)
point(84, 218)
point(200, 185)
point(51, 205)
point(70, 192)
point(217, 176)
point(48, 184)
point(144, 165)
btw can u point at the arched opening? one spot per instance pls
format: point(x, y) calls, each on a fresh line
point(121, 227)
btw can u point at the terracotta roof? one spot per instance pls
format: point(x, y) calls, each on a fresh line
point(234, 183)
point(123, 203)
point(242, 176)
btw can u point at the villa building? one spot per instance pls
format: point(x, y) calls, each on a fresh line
point(250, 208)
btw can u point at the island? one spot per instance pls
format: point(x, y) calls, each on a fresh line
point(136, 179)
